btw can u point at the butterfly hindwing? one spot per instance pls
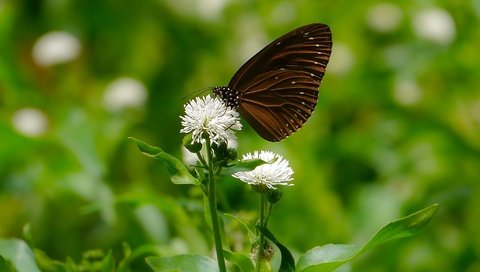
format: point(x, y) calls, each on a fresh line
point(278, 103)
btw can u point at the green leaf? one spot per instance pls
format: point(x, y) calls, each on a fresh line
point(19, 254)
point(48, 265)
point(124, 263)
point(182, 263)
point(288, 262)
point(108, 263)
point(208, 220)
point(330, 257)
point(178, 172)
point(243, 165)
point(248, 227)
point(241, 261)
point(5, 265)
point(27, 235)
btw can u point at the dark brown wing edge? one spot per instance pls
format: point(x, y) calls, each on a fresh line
point(305, 49)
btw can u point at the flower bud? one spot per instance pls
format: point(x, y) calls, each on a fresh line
point(231, 154)
point(273, 196)
point(267, 253)
point(260, 188)
point(220, 149)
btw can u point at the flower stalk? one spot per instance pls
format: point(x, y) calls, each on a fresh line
point(261, 240)
point(212, 204)
point(210, 126)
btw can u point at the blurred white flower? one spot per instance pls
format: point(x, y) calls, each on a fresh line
point(475, 111)
point(30, 122)
point(407, 92)
point(209, 115)
point(124, 93)
point(476, 6)
point(435, 24)
point(56, 47)
point(270, 174)
point(342, 59)
point(210, 9)
point(250, 39)
point(189, 158)
point(384, 17)
point(284, 12)
point(205, 9)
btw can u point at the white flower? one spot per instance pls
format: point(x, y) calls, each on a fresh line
point(407, 92)
point(124, 93)
point(342, 59)
point(56, 47)
point(30, 122)
point(210, 115)
point(384, 17)
point(210, 9)
point(271, 174)
point(436, 25)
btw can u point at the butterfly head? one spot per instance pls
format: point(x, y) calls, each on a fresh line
point(229, 96)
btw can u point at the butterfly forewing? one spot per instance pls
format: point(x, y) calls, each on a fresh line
point(306, 49)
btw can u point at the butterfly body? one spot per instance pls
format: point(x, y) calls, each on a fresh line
point(276, 90)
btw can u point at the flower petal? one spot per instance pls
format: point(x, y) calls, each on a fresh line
point(271, 174)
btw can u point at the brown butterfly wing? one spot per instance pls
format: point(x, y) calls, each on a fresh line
point(278, 103)
point(306, 49)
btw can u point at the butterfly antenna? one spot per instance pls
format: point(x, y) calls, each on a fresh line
point(195, 93)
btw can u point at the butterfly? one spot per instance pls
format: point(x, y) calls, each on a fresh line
point(276, 90)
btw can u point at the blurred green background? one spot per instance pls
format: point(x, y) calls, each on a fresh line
point(397, 126)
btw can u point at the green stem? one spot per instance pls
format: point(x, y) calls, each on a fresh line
point(261, 239)
point(200, 157)
point(267, 216)
point(212, 203)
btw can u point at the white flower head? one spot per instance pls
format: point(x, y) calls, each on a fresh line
point(407, 92)
point(435, 24)
point(124, 92)
point(209, 115)
point(342, 60)
point(384, 17)
point(56, 47)
point(30, 122)
point(270, 174)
